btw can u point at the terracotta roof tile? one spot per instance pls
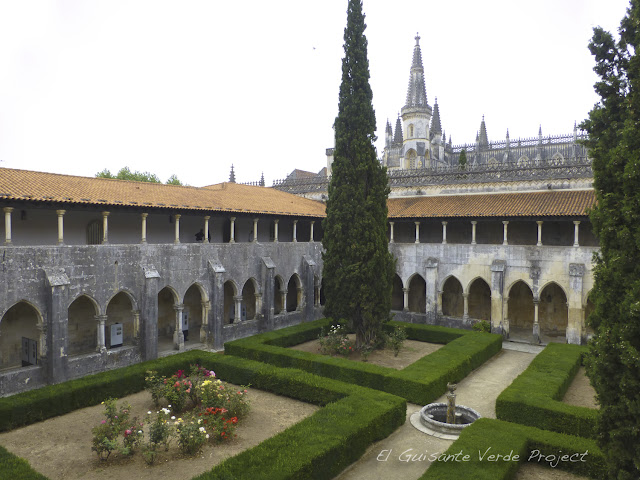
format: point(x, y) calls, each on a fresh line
point(50, 187)
point(522, 204)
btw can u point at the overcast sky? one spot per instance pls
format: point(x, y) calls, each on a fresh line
point(188, 88)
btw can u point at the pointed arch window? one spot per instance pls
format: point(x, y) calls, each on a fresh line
point(411, 131)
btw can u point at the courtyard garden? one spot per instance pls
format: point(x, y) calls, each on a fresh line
point(338, 413)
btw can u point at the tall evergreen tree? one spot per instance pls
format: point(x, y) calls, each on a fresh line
point(613, 363)
point(358, 268)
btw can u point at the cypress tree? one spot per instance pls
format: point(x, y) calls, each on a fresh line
point(613, 363)
point(358, 268)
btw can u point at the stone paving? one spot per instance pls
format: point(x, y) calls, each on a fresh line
point(406, 453)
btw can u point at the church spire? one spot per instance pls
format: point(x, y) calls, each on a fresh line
point(416, 92)
point(483, 140)
point(436, 127)
point(397, 138)
point(232, 175)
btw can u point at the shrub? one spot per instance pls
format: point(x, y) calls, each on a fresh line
point(481, 326)
point(219, 423)
point(396, 339)
point(191, 434)
point(106, 436)
point(335, 342)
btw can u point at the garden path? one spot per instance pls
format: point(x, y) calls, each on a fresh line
point(405, 454)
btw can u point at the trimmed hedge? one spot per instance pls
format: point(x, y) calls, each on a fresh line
point(421, 382)
point(534, 397)
point(320, 446)
point(531, 444)
point(53, 400)
point(15, 468)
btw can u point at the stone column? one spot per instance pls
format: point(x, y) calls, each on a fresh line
point(311, 233)
point(295, 230)
point(143, 238)
point(206, 229)
point(299, 299)
point(178, 335)
point(237, 317)
point(54, 333)
point(316, 295)
point(149, 314)
point(505, 316)
point(505, 241)
point(536, 324)
point(499, 322)
point(539, 244)
point(417, 232)
point(439, 302)
point(444, 233)
point(105, 227)
point(7, 225)
point(283, 301)
point(216, 310)
point(102, 321)
point(255, 230)
point(405, 299)
point(267, 301)
point(232, 230)
point(575, 319)
point(204, 328)
point(258, 297)
point(465, 314)
point(576, 231)
point(391, 240)
point(473, 232)
point(275, 230)
point(432, 297)
point(60, 214)
point(177, 222)
point(136, 326)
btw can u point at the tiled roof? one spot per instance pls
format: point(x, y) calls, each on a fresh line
point(25, 185)
point(554, 203)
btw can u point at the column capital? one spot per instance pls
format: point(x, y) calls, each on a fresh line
point(576, 222)
point(295, 221)
point(105, 213)
point(276, 220)
point(177, 216)
point(539, 222)
point(417, 223)
point(60, 212)
point(233, 219)
point(238, 298)
point(207, 217)
point(8, 209)
point(178, 307)
point(444, 223)
point(505, 222)
point(144, 214)
point(474, 222)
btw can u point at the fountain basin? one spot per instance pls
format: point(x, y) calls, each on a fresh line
point(433, 419)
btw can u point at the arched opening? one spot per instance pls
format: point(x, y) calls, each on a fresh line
point(553, 312)
point(417, 294)
point(119, 324)
point(520, 307)
point(523, 161)
point(82, 326)
point(229, 309)
point(452, 302)
point(192, 313)
point(20, 339)
point(479, 300)
point(294, 293)
point(278, 288)
point(249, 300)
point(316, 290)
point(167, 300)
point(397, 295)
point(410, 159)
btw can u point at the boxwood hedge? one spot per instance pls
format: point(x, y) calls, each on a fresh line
point(534, 397)
point(421, 382)
point(486, 437)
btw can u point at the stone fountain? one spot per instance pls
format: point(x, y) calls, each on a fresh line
point(444, 420)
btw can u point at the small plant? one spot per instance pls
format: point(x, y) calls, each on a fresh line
point(365, 351)
point(481, 326)
point(160, 430)
point(192, 435)
point(155, 385)
point(335, 342)
point(219, 423)
point(117, 423)
point(396, 339)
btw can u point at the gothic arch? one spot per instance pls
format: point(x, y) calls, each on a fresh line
point(229, 309)
point(397, 294)
point(523, 161)
point(120, 308)
point(249, 293)
point(194, 302)
point(557, 158)
point(95, 303)
point(82, 325)
point(22, 319)
point(294, 293)
point(417, 294)
point(168, 298)
point(520, 305)
point(410, 159)
point(492, 163)
point(479, 299)
point(452, 301)
point(553, 311)
point(130, 296)
point(201, 289)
